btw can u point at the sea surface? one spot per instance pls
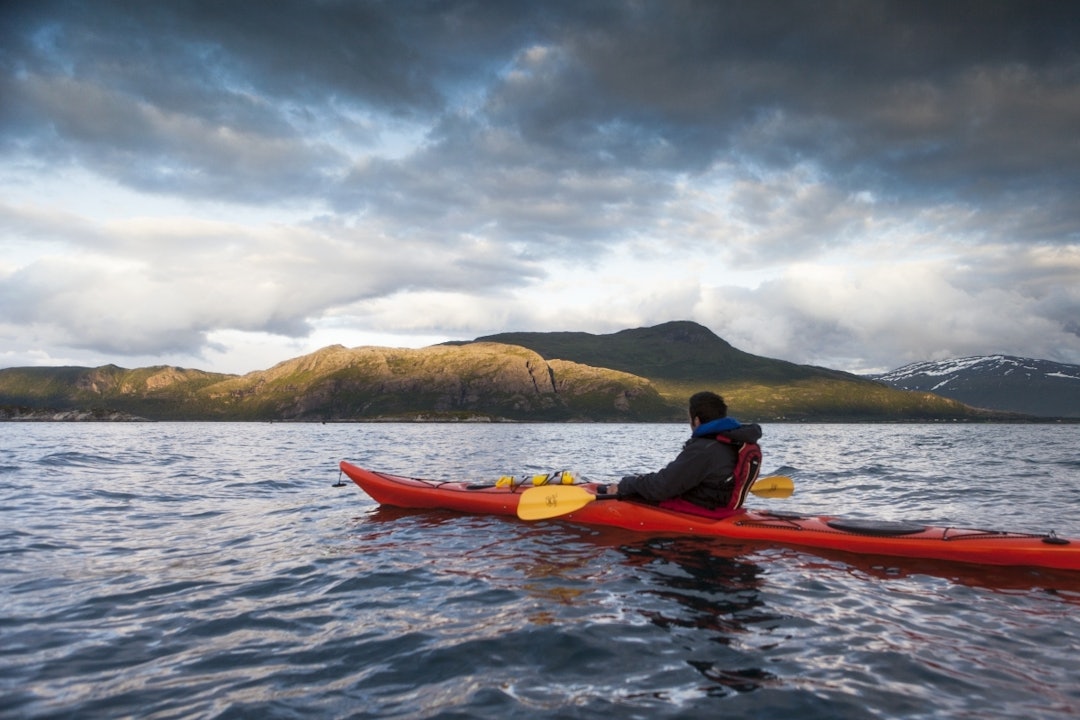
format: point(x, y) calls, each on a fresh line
point(200, 570)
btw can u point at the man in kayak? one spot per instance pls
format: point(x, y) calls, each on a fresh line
point(701, 476)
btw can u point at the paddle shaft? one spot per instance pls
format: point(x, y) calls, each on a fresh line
point(549, 501)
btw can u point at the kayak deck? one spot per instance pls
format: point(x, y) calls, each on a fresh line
point(970, 545)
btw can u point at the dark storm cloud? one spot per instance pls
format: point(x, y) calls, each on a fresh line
point(973, 100)
point(476, 179)
point(474, 140)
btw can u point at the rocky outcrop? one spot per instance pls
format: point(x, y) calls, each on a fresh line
point(490, 380)
point(25, 414)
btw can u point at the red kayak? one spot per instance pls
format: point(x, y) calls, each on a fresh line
point(870, 537)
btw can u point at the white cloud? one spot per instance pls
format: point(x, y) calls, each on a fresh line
point(245, 191)
point(881, 317)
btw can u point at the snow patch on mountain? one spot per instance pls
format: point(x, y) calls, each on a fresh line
point(1000, 382)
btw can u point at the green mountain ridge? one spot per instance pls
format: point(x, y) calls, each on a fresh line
point(676, 351)
point(637, 375)
point(682, 357)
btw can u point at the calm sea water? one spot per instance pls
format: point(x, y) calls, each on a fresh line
point(214, 571)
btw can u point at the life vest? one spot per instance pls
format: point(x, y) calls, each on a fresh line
point(747, 467)
point(743, 475)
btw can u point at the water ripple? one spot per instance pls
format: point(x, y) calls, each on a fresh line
point(201, 570)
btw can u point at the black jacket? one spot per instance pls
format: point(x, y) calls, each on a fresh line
point(701, 474)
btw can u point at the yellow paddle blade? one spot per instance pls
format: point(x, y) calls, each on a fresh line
point(548, 501)
point(774, 486)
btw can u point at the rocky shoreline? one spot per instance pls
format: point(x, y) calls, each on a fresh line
point(9, 413)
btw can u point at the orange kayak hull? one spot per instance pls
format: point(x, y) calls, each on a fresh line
point(967, 545)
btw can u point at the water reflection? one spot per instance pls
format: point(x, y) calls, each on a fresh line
point(633, 610)
point(1061, 584)
point(707, 592)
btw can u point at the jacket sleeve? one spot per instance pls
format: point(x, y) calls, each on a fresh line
point(680, 475)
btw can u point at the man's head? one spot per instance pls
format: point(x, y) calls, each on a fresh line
point(706, 406)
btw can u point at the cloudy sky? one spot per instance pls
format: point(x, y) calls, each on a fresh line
point(226, 185)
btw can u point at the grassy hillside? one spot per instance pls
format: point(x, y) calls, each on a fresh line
point(633, 375)
point(481, 380)
point(439, 382)
point(681, 358)
point(158, 391)
point(675, 351)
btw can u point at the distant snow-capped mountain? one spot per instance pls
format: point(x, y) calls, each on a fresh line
point(997, 382)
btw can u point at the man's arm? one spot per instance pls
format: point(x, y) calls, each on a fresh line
point(681, 474)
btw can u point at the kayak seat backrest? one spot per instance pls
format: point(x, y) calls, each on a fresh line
point(747, 468)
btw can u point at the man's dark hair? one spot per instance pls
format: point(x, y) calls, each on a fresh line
point(706, 406)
